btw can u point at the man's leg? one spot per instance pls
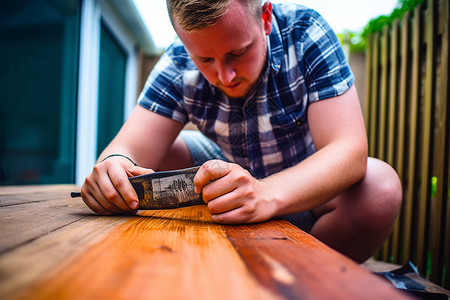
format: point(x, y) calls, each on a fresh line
point(358, 221)
point(191, 148)
point(178, 157)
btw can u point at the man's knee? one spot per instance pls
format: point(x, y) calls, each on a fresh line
point(387, 182)
point(384, 190)
point(365, 213)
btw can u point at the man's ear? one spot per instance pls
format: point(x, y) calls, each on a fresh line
point(267, 17)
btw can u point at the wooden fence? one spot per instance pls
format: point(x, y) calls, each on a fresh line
point(407, 120)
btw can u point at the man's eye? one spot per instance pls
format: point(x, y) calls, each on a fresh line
point(205, 59)
point(238, 53)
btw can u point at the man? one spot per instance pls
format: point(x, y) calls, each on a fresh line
point(271, 87)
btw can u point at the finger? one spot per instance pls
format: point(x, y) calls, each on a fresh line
point(232, 217)
point(235, 211)
point(121, 192)
point(129, 195)
point(107, 201)
point(108, 196)
point(217, 188)
point(209, 171)
point(137, 171)
point(91, 201)
point(224, 203)
point(102, 187)
point(88, 192)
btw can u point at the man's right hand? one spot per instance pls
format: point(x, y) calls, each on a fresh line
point(108, 191)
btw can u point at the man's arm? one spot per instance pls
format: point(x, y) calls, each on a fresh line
point(144, 138)
point(337, 128)
point(338, 131)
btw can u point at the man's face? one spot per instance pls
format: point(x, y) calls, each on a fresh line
point(232, 53)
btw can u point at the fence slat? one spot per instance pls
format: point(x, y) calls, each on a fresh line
point(382, 113)
point(401, 125)
point(413, 126)
point(374, 96)
point(427, 141)
point(438, 216)
point(393, 92)
point(369, 88)
point(447, 226)
point(392, 133)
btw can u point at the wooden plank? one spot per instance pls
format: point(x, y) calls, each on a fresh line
point(31, 189)
point(18, 222)
point(447, 216)
point(178, 254)
point(181, 254)
point(441, 152)
point(384, 81)
point(49, 223)
point(392, 146)
point(413, 126)
point(289, 271)
point(427, 140)
point(13, 195)
point(374, 96)
point(168, 239)
point(382, 112)
point(368, 79)
point(26, 264)
point(402, 128)
point(393, 93)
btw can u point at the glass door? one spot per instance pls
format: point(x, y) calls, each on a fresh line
point(113, 60)
point(38, 83)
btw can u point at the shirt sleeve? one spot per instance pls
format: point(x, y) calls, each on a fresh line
point(327, 71)
point(163, 91)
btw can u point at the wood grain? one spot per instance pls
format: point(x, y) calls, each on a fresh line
point(40, 227)
point(13, 195)
point(28, 263)
point(158, 255)
point(22, 223)
point(166, 254)
point(284, 259)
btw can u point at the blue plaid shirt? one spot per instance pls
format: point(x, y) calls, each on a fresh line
point(268, 130)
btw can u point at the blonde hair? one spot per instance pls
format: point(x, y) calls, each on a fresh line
point(193, 15)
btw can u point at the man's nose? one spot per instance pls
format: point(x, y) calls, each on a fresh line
point(226, 73)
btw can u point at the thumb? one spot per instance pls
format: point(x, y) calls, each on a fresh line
point(137, 171)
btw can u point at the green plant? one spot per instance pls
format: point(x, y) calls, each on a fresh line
point(377, 24)
point(358, 41)
point(354, 39)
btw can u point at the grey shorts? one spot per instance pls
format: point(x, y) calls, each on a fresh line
point(304, 220)
point(203, 149)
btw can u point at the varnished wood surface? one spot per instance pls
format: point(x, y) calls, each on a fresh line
point(54, 247)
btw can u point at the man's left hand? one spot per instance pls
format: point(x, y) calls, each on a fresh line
point(233, 196)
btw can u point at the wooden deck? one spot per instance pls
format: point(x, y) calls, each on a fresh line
point(54, 247)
